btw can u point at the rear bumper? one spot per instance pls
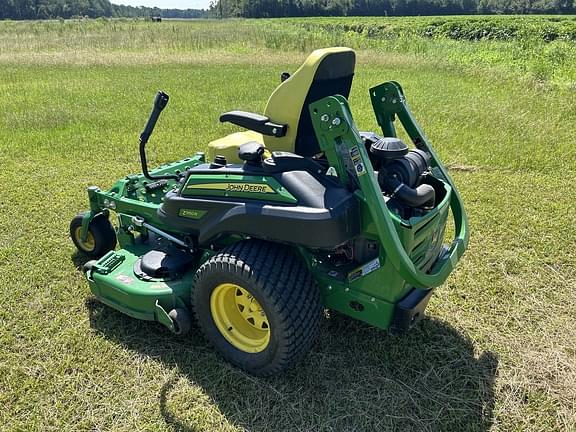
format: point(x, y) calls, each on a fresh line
point(410, 310)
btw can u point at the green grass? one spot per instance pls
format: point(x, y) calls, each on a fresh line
point(497, 352)
point(540, 48)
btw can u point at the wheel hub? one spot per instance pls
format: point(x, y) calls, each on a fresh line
point(87, 245)
point(240, 318)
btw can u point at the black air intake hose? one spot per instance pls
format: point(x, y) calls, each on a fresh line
point(421, 196)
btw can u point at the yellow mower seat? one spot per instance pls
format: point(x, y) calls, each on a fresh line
point(325, 72)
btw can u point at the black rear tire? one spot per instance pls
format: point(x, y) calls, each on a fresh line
point(102, 237)
point(281, 284)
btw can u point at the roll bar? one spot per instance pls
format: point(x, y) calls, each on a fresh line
point(340, 140)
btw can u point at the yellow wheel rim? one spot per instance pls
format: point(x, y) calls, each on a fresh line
point(240, 318)
point(89, 245)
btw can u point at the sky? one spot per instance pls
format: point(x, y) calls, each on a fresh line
point(166, 4)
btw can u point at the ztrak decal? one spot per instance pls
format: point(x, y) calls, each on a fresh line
point(235, 187)
point(192, 213)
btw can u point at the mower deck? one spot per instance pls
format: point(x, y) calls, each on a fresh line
point(112, 279)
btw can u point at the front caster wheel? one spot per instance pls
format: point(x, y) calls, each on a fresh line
point(181, 319)
point(101, 237)
point(257, 303)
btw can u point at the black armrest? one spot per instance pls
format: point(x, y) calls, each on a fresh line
point(254, 122)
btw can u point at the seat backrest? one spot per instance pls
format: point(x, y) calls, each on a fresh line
point(325, 72)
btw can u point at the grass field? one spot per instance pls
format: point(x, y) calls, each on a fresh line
point(498, 349)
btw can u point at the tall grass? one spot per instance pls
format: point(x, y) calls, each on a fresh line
point(540, 48)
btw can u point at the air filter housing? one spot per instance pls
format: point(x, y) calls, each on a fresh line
point(389, 148)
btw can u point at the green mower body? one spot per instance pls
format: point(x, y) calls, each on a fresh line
point(332, 228)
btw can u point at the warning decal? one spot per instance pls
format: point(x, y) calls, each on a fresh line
point(367, 268)
point(357, 161)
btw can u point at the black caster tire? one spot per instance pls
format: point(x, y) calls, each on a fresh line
point(101, 236)
point(181, 319)
point(257, 303)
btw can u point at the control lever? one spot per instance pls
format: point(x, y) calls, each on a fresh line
point(160, 102)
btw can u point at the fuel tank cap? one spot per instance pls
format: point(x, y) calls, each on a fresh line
point(251, 152)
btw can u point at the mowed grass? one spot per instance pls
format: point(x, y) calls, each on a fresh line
point(496, 353)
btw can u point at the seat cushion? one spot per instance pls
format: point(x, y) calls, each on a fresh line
point(228, 146)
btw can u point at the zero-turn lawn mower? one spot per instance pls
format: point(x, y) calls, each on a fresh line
point(299, 213)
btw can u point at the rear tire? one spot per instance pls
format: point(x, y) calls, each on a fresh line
point(101, 236)
point(257, 303)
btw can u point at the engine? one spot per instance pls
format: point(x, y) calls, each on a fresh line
point(402, 175)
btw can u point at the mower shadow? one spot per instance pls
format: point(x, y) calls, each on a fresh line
point(79, 259)
point(356, 378)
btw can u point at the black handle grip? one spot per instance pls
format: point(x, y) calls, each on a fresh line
point(160, 102)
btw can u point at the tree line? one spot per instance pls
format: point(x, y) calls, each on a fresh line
point(47, 9)
point(50, 9)
point(295, 8)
